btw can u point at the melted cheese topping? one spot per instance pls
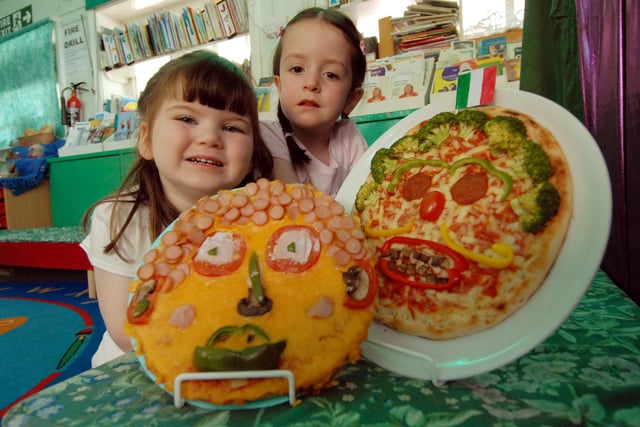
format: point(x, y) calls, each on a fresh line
point(476, 226)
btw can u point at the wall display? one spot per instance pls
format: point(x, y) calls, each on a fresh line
point(75, 51)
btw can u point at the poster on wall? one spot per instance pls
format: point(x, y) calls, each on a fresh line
point(75, 51)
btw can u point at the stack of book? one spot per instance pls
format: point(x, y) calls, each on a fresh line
point(171, 30)
point(428, 25)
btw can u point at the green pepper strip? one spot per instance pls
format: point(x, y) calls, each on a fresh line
point(411, 164)
point(258, 357)
point(223, 333)
point(454, 274)
point(254, 276)
point(505, 177)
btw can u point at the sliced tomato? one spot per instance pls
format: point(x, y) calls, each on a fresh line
point(293, 249)
point(220, 254)
point(367, 299)
point(432, 206)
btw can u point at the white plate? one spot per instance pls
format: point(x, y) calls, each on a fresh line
point(577, 263)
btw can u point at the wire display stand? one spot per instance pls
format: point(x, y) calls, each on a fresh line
point(179, 401)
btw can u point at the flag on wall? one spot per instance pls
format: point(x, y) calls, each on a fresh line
point(476, 87)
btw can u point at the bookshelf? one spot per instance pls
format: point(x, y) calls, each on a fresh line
point(126, 37)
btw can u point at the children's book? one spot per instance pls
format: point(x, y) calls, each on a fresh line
point(126, 125)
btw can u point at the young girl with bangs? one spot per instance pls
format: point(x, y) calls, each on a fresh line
point(198, 134)
point(318, 68)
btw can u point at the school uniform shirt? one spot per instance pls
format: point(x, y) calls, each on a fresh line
point(346, 146)
point(133, 245)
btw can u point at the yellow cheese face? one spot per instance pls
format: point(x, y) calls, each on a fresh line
point(317, 345)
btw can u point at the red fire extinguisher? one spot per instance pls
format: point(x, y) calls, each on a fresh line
point(72, 109)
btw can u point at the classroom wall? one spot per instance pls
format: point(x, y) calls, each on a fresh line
point(41, 8)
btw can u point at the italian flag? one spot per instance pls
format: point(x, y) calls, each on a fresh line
point(476, 87)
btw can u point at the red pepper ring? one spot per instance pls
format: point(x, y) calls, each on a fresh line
point(459, 263)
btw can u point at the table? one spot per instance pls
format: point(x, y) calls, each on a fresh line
point(586, 373)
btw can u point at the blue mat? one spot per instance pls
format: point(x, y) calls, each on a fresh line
point(48, 333)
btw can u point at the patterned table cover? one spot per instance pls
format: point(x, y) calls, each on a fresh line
point(586, 373)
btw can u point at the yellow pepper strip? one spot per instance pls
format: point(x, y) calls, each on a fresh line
point(505, 251)
point(386, 232)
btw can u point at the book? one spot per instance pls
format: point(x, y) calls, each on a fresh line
point(242, 14)
point(126, 124)
point(200, 30)
point(190, 26)
point(431, 9)
point(413, 23)
point(208, 25)
point(135, 42)
point(109, 40)
point(446, 79)
point(179, 29)
point(225, 18)
point(125, 46)
point(214, 16)
point(104, 58)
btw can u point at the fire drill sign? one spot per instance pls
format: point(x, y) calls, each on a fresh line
point(15, 21)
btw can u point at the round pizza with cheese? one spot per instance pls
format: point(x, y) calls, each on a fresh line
point(268, 276)
point(466, 214)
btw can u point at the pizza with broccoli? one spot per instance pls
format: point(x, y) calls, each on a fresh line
point(467, 213)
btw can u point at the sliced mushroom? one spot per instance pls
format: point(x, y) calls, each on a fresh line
point(256, 304)
point(357, 281)
point(250, 306)
point(145, 289)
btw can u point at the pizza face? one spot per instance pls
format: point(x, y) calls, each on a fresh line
point(270, 276)
point(466, 214)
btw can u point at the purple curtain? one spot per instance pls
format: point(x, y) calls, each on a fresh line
point(608, 42)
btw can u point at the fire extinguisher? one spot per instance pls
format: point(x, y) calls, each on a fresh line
point(71, 109)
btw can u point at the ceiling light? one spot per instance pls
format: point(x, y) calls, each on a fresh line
point(141, 4)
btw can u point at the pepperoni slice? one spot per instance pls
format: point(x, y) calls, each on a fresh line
point(470, 188)
point(416, 186)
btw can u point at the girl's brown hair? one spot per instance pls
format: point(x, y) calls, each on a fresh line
point(200, 76)
point(358, 67)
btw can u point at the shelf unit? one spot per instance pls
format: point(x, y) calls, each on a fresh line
point(79, 181)
point(122, 80)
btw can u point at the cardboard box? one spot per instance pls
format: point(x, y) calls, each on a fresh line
point(31, 209)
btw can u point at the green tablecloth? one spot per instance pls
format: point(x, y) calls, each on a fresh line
point(586, 373)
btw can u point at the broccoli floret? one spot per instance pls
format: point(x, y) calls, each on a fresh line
point(407, 144)
point(505, 133)
point(537, 206)
point(469, 121)
point(535, 162)
point(437, 129)
point(367, 195)
point(382, 164)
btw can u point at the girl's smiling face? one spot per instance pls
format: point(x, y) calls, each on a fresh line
point(197, 149)
point(315, 78)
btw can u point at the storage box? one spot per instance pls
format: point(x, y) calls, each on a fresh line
point(31, 209)
point(38, 138)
